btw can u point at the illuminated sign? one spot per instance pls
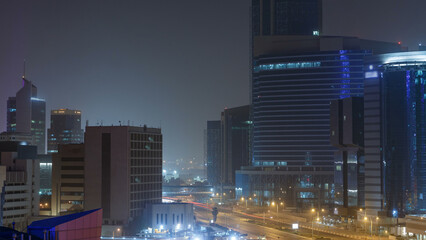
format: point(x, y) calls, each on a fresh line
point(371, 74)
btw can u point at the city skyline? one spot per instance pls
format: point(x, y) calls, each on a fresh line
point(67, 45)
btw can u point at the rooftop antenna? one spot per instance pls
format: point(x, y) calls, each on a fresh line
point(23, 74)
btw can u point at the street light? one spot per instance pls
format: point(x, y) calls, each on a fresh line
point(273, 204)
point(242, 200)
point(113, 232)
point(313, 214)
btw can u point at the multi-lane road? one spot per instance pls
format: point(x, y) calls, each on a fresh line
point(255, 226)
point(244, 225)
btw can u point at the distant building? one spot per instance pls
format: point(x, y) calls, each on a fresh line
point(174, 217)
point(128, 165)
point(21, 185)
point(347, 134)
point(286, 17)
point(235, 124)
point(395, 134)
point(27, 114)
point(11, 114)
point(68, 179)
point(214, 152)
point(65, 128)
point(45, 174)
point(23, 138)
point(84, 225)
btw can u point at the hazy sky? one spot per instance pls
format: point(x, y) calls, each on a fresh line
point(169, 63)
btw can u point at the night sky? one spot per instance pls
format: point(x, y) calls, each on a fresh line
point(174, 64)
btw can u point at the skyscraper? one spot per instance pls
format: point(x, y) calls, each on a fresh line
point(235, 125)
point(27, 114)
point(347, 134)
point(395, 134)
point(294, 79)
point(65, 128)
point(127, 162)
point(214, 152)
point(286, 17)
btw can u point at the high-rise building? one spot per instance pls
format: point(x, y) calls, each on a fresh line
point(286, 17)
point(27, 114)
point(11, 114)
point(128, 165)
point(235, 125)
point(293, 81)
point(214, 152)
point(65, 128)
point(20, 195)
point(68, 179)
point(395, 134)
point(347, 135)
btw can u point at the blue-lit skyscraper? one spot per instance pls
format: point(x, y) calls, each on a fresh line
point(294, 79)
point(395, 134)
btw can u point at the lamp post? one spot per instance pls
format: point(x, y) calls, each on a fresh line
point(273, 204)
point(113, 232)
point(313, 214)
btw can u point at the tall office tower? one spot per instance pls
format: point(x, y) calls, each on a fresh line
point(395, 134)
point(214, 152)
point(65, 128)
point(27, 114)
point(235, 125)
point(128, 165)
point(347, 134)
point(68, 179)
point(11, 114)
point(286, 17)
point(21, 183)
point(294, 80)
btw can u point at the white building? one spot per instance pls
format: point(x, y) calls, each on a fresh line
point(172, 217)
point(21, 183)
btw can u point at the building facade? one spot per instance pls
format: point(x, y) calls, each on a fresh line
point(68, 179)
point(347, 135)
point(395, 134)
point(21, 186)
point(235, 125)
point(214, 152)
point(171, 217)
point(65, 128)
point(27, 114)
point(286, 17)
point(294, 79)
point(128, 163)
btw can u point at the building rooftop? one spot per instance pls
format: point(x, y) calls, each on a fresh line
point(55, 221)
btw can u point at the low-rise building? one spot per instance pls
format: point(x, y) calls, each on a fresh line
point(171, 217)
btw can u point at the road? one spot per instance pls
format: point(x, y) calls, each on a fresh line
point(241, 225)
point(254, 227)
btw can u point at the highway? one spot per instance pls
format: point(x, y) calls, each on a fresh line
point(254, 226)
point(243, 226)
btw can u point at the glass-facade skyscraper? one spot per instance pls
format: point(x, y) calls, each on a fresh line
point(214, 152)
point(395, 134)
point(286, 17)
point(291, 112)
